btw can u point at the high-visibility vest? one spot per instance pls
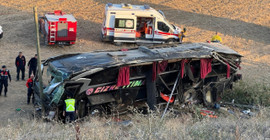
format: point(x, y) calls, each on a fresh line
point(216, 38)
point(70, 105)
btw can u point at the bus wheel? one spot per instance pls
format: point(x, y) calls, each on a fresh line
point(209, 96)
point(189, 96)
point(96, 111)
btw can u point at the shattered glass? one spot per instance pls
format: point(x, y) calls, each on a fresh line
point(55, 89)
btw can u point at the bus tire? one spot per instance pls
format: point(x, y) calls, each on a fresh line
point(96, 111)
point(189, 96)
point(210, 96)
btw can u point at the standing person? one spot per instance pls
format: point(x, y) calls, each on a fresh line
point(29, 85)
point(32, 65)
point(4, 76)
point(216, 38)
point(69, 109)
point(20, 64)
point(1, 32)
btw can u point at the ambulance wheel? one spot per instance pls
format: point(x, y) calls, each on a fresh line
point(102, 37)
point(170, 41)
point(118, 43)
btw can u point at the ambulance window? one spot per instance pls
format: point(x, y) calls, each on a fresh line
point(124, 23)
point(163, 27)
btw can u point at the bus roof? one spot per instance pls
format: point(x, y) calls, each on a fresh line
point(81, 62)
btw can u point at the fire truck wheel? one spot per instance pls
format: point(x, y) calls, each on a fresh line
point(45, 40)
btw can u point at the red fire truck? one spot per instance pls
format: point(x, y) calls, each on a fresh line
point(58, 28)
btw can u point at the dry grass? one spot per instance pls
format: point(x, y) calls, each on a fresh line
point(178, 124)
point(249, 93)
point(145, 127)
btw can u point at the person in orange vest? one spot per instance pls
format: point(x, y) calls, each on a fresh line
point(4, 76)
point(29, 85)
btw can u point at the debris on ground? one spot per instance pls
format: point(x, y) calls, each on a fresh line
point(217, 106)
point(51, 115)
point(242, 106)
point(117, 121)
point(208, 113)
point(248, 112)
point(231, 112)
point(19, 109)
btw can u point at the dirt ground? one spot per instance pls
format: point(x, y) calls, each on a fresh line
point(243, 26)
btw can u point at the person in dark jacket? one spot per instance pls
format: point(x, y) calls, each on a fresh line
point(32, 65)
point(1, 32)
point(29, 85)
point(20, 65)
point(4, 76)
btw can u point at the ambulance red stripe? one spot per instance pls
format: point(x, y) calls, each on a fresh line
point(163, 33)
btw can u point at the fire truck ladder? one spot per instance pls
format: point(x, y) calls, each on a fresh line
point(52, 32)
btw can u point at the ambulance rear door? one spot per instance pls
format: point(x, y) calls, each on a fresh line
point(125, 28)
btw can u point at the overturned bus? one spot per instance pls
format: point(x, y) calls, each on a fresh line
point(111, 81)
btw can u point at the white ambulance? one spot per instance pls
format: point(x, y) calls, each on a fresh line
point(137, 24)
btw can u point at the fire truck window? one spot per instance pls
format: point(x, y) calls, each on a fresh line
point(62, 29)
point(163, 27)
point(124, 23)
